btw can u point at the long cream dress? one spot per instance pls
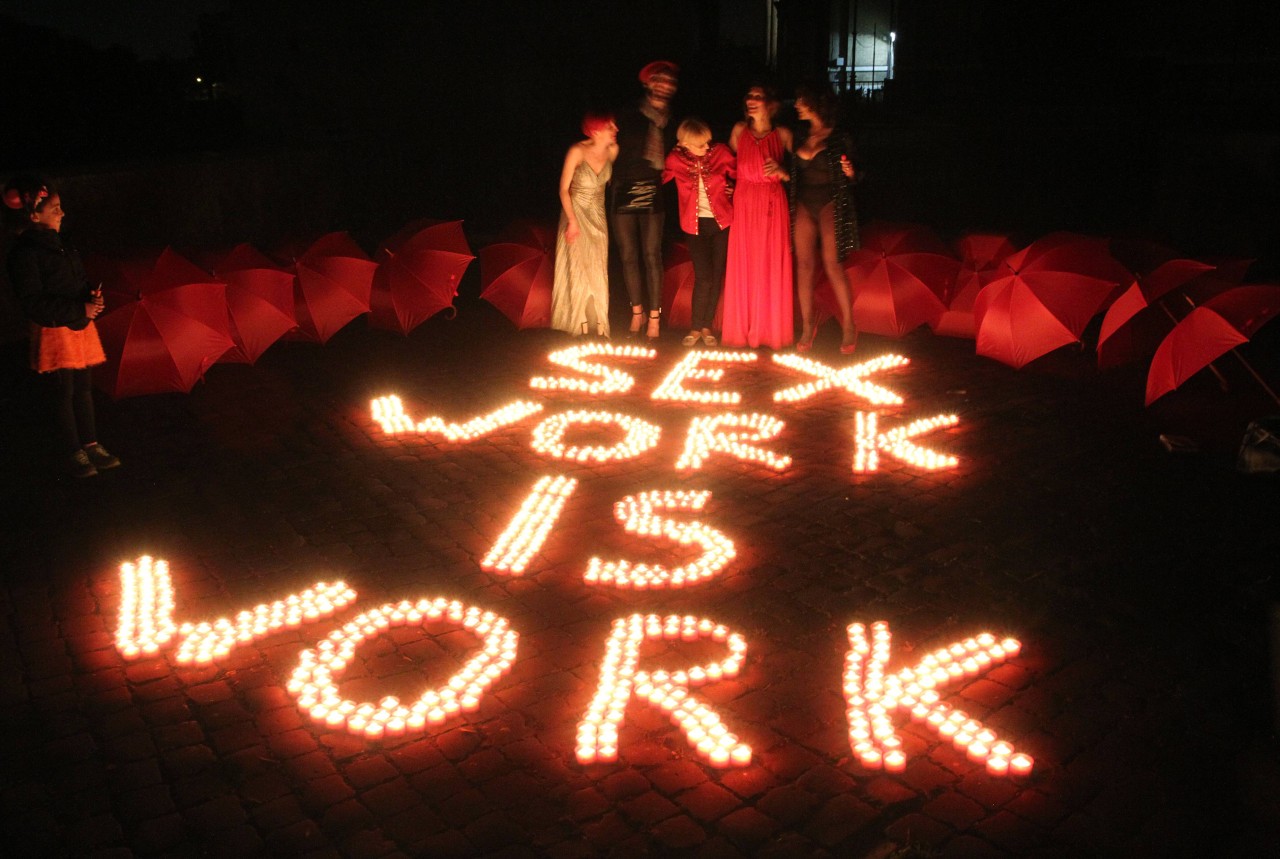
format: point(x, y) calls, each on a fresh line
point(580, 292)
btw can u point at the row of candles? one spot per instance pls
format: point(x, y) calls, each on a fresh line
point(605, 380)
point(621, 680)
point(852, 379)
point(548, 436)
point(528, 529)
point(872, 697)
point(389, 412)
point(872, 694)
point(314, 686)
point(869, 442)
point(687, 369)
point(708, 435)
point(209, 640)
point(638, 515)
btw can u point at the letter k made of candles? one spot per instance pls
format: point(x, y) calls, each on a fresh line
point(873, 696)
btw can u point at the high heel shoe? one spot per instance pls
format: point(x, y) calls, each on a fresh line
point(636, 317)
point(805, 343)
point(654, 323)
point(850, 344)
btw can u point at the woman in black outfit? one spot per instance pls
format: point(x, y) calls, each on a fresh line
point(823, 216)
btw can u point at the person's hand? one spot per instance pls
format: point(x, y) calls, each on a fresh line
point(774, 169)
point(846, 166)
point(94, 306)
point(571, 232)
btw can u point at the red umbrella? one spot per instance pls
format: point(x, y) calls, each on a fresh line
point(334, 280)
point(677, 290)
point(1023, 316)
point(1074, 253)
point(122, 278)
point(1126, 329)
point(419, 269)
point(980, 255)
point(169, 334)
point(259, 301)
point(516, 273)
point(894, 293)
point(1210, 330)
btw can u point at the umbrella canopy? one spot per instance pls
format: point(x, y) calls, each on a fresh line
point(122, 278)
point(259, 302)
point(1215, 327)
point(1023, 316)
point(418, 272)
point(1132, 323)
point(1071, 252)
point(516, 274)
point(334, 279)
point(980, 255)
point(894, 293)
point(677, 290)
point(153, 346)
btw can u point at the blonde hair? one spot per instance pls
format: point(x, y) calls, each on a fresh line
point(692, 128)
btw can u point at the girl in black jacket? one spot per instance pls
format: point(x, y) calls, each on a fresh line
point(57, 299)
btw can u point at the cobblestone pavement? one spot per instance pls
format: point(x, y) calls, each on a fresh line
point(1139, 583)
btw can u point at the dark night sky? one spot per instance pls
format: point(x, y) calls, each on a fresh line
point(150, 28)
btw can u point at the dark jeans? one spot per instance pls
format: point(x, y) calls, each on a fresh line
point(639, 240)
point(708, 249)
point(73, 408)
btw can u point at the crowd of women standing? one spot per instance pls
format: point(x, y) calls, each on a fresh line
point(759, 215)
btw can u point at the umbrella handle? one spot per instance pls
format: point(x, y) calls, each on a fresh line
point(453, 313)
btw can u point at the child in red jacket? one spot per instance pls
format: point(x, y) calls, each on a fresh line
point(703, 172)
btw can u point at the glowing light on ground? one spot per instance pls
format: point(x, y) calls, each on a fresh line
point(637, 515)
point(314, 685)
point(620, 680)
point(606, 380)
point(707, 436)
point(869, 443)
point(209, 640)
point(873, 697)
point(528, 529)
point(688, 369)
point(145, 619)
point(389, 412)
point(852, 379)
point(548, 436)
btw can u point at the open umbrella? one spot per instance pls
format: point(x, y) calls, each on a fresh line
point(1023, 316)
point(172, 330)
point(334, 278)
point(901, 238)
point(1074, 253)
point(517, 271)
point(259, 301)
point(980, 255)
point(894, 293)
point(677, 290)
point(1137, 320)
point(419, 269)
point(1210, 330)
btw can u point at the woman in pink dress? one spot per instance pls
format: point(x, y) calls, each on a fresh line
point(757, 286)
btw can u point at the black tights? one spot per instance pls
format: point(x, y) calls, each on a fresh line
point(639, 239)
point(73, 408)
point(811, 232)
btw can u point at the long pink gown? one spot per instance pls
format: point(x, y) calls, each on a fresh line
point(757, 284)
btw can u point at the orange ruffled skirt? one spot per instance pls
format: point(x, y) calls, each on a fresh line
point(64, 349)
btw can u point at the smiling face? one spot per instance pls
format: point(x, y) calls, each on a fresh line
point(49, 216)
point(803, 111)
point(756, 102)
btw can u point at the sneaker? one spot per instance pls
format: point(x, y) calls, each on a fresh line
point(80, 466)
point(99, 456)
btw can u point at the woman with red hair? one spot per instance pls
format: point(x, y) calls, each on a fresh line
point(580, 291)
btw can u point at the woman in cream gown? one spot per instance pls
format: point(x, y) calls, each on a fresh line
point(580, 291)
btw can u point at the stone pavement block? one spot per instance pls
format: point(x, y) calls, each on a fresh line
point(749, 782)
point(787, 804)
point(747, 827)
point(837, 819)
point(368, 771)
point(708, 801)
point(345, 817)
point(278, 814)
point(215, 815)
point(674, 776)
point(159, 834)
point(648, 808)
point(390, 797)
point(887, 791)
point(321, 793)
point(1016, 835)
point(918, 830)
point(292, 744)
point(623, 785)
point(988, 791)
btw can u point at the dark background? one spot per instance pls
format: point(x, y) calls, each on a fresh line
point(1123, 118)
